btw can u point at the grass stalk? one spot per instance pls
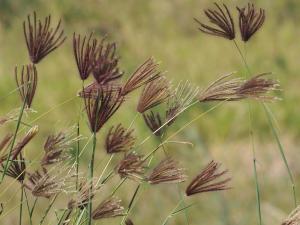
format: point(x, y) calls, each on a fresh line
point(21, 206)
point(48, 209)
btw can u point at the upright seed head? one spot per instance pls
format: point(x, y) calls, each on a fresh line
point(119, 139)
point(250, 21)
point(84, 52)
point(206, 181)
point(154, 93)
point(154, 122)
point(109, 208)
point(167, 171)
point(27, 83)
point(223, 25)
point(101, 106)
point(41, 38)
point(105, 67)
point(144, 74)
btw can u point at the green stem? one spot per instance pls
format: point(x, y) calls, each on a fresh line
point(281, 150)
point(91, 166)
point(21, 205)
point(8, 162)
point(48, 209)
point(28, 207)
point(77, 154)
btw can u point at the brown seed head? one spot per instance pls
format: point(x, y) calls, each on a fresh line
point(26, 83)
point(144, 74)
point(167, 171)
point(109, 208)
point(154, 122)
point(105, 67)
point(58, 147)
point(17, 168)
point(85, 52)
point(41, 38)
point(131, 166)
point(100, 107)
point(128, 222)
point(206, 180)
point(119, 139)
point(223, 25)
point(250, 21)
point(154, 93)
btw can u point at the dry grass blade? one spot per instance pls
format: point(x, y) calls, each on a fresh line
point(100, 108)
point(84, 52)
point(206, 181)
point(41, 38)
point(109, 208)
point(250, 21)
point(27, 83)
point(167, 171)
point(144, 74)
point(131, 166)
point(223, 25)
point(105, 67)
point(119, 139)
point(154, 93)
point(154, 122)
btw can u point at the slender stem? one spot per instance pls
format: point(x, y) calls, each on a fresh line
point(77, 154)
point(281, 150)
point(118, 186)
point(21, 205)
point(28, 207)
point(33, 207)
point(91, 166)
point(48, 209)
point(8, 162)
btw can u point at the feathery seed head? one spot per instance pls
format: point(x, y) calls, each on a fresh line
point(109, 208)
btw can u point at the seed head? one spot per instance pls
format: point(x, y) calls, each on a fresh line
point(223, 25)
point(85, 52)
point(154, 122)
point(154, 93)
point(26, 83)
point(119, 139)
point(183, 95)
point(105, 67)
point(131, 166)
point(250, 21)
point(145, 73)
point(206, 180)
point(17, 168)
point(128, 222)
point(41, 38)
point(101, 106)
point(107, 209)
point(58, 147)
point(167, 171)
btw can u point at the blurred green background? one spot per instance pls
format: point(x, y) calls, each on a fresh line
point(165, 29)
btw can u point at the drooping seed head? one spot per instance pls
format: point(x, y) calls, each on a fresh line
point(101, 106)
point(58, 147)
point(250, 21)
point(145, 73)
point(154, 122)
point(119, 139)
point(222, 23)
point(182, 97)
point(154, 93)
point(84, 52)
point(207, 180)
point(106, 63)
point(27, 83)
point(17, 168)
point(167, 171)
point(41, 38)
point(131, 166)
point(109, 208)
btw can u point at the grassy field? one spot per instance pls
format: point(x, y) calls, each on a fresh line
point(166, 30)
